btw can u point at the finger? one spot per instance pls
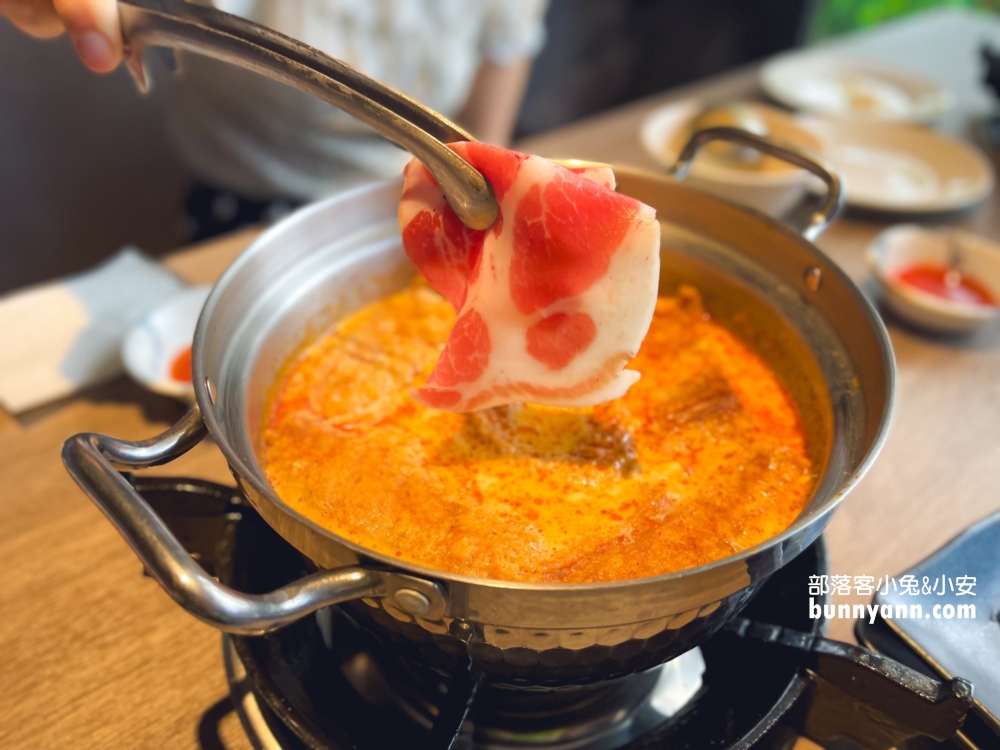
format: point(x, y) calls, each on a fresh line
point(95, 29)
point(35, 17)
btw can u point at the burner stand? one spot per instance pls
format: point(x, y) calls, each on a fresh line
point(603, 716)
point(316, 685)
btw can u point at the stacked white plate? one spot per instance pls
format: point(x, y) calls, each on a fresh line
point(845, 88)
point(901, 168)
point(867, 116)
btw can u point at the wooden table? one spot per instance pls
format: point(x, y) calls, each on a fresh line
point(94, 655)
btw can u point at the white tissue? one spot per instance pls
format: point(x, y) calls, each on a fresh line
point(65, 335)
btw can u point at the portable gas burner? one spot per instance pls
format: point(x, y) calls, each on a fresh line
point(326, 683)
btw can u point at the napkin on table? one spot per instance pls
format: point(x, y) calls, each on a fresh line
point(64, 335)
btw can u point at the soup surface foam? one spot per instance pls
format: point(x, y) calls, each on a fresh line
point(703, 457)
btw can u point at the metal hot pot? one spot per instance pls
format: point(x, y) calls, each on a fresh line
point(766, 282)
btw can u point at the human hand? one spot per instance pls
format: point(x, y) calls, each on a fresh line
point(93, 26)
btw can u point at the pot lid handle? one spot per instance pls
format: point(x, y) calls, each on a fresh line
point(833, 203)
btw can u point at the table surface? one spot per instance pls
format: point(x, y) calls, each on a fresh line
point(93, 654)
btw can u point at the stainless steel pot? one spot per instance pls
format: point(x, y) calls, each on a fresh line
point(761, 279)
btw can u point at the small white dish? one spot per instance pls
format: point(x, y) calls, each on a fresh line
point(903, 168)
point(907, 245)
point(154, 342)
point(773, 191)
point(842, 87)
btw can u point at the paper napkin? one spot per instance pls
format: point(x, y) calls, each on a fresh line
point(62, 336)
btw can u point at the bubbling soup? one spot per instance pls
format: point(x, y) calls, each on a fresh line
point(705, 456)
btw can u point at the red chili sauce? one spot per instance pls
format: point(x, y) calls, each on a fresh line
point(180, 369)
point(942, 282)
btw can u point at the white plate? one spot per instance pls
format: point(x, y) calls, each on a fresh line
point(909, 244)
point(154, 342)
point(903, 168)
point(774, 191)
point(843, 87)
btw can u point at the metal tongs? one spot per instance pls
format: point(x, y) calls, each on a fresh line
point(178, 24)
point(423, 132)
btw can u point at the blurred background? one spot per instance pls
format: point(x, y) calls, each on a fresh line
point(86, 166)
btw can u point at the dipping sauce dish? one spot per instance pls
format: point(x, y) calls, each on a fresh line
point(944, 281)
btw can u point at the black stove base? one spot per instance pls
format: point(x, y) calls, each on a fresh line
point(292, 673)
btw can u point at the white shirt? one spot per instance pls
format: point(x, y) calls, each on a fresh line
point(242, 131)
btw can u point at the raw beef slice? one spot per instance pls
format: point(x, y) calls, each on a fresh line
point(552, 300)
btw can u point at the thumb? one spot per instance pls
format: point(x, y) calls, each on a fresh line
point(95, 29)
point(38, 19)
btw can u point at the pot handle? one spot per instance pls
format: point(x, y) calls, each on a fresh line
point(91, 460)
point(833, 203)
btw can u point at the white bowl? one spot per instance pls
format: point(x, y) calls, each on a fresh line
point(153, 343)
point(837, 86)
point(775, 193)
point(909, 244)
point(903, 168)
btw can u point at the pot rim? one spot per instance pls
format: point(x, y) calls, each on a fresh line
point(205, 399)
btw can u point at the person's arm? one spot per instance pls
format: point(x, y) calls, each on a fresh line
point(490, 112)
point(93, 25)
